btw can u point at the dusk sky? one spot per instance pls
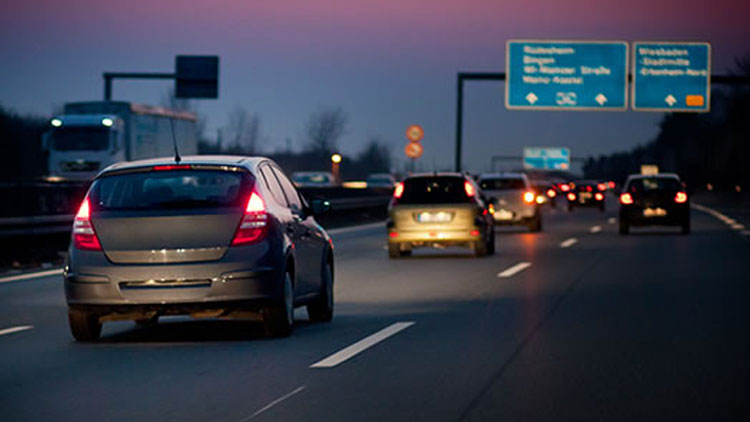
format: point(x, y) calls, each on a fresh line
point(388, 63)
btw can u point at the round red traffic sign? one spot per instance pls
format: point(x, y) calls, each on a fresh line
point(413, 150)
point(414, 133)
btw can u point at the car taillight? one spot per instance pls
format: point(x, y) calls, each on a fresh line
point(564, 187)
point(529, 197)
point(588, 189)
point(598, 196)
point(611, 184)
point(601, 186)
point(171, 167)
point(626, 199)
point(398, 190)
point(254, 222)
point(571, 196)
point(469, 188)
point(84, 236)
point(551, 193)
point(680, 197)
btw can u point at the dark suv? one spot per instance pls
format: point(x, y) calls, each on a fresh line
point(654, 200)
point(210, 236)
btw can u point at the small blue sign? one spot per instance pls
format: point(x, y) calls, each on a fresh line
point(566, 75)
point(671, 76)
point(546, 158)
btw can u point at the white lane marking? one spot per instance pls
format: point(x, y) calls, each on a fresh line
point(274, 403)
point(510, 272)
point(726, 220)
point(31, 275)
point(356, 228)
point(568, 242)
point(12, 330)
point(595, 229)
point(611, 220)
point(738, 226)
point(350, 351)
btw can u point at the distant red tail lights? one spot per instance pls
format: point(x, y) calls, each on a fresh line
point(84, 236)
point(626, 199)
point(254, 221)
point(398, 190)
point(469, 188)
point(564, 187)
point(680, 197)
point(529, 197)
point(599, 196)
point(551, 193)
point(601, 186)
point(571, 196)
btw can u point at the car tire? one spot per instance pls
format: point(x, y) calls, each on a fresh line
point(624, 227)
point(278, 319)
point(686, 227)
point(394, 250)
point(491, 243)
point(535, 226)
point(84, 326)
point(480, 248)
point(321, 310)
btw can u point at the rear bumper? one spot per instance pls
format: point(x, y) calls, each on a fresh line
point(247, 275)
point(520, 214)
point(676, 216)
point(434, 236)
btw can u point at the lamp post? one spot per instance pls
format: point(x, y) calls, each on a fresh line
point(335, 161)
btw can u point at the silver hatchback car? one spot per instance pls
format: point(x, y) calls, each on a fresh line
point(210, 236)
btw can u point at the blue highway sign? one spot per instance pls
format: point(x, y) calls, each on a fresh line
point(671, 76)
point(566, 75)
point(546, 158)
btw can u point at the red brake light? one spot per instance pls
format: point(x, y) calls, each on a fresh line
point(571, 196)
point(529, 197)
point(680, 197)
point(588, 189)
point(398, 190)
point(171, 167)
point(551, 193)
point(84, 236)
point(598, 196)
point(564, 187)
point(469, 188)
point(254, 222)
point(626, 199)
point(602, 186)
point(611, 184)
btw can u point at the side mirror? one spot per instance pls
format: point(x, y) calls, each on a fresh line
point(320, 206)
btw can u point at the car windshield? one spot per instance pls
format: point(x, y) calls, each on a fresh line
point(652, 184)
point(506, 183)
point(80, 138)
point(434, 190)
point(170, 190)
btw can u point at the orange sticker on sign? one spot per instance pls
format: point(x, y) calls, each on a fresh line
point(694, 100)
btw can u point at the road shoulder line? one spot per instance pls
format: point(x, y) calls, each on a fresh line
point(27, 276)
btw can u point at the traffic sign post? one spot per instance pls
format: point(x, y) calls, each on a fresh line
point(671, 76)
point(566, 75)
point(546, 158)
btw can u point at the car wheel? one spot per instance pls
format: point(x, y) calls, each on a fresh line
point(279, 318)
point(480, 248)
point(394, 250)
point(686, 227)
point(322, 309)
point(84, 326)
point(491, 243)
point(624, 227)
point(536, 224)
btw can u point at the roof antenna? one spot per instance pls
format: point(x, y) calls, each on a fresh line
point(177, 157)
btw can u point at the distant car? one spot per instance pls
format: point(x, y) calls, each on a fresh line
point(208, 236)
point(313, 179)
point(546, 193)
point(513, 198)
point(654, 200)
point(586, 193)
point(439, 209)
point(382, 181)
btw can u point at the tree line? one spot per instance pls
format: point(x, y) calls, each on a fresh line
point(703, 148)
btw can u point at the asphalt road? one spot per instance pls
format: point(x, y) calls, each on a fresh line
point(652, 326)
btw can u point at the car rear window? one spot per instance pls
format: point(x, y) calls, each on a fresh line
point(652, 184)
point(502, 184)
point(434, 190)
point(170, 190)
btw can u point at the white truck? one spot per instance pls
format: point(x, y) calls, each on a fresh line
point(89, 136)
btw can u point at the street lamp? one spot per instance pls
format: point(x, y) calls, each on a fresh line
point(335, 161)
point(336, 158)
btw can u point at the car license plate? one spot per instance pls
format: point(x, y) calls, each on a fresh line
point(434, 217)
point(585, 195)
point(654, 212)
point(504, 215)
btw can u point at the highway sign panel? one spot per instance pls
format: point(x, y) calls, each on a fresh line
point(413, 150)
point(414, 133)
point(671, 76)
point(566, 75)
point(542, 158)
point(197, 77)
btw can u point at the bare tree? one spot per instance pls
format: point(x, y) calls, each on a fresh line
point(324, 128)
point(243, 130)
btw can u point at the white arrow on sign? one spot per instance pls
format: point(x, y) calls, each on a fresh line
point(532, 98)
point(601, 99)
point(670, 100)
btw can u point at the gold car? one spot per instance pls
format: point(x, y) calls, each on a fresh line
point(439, 209)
